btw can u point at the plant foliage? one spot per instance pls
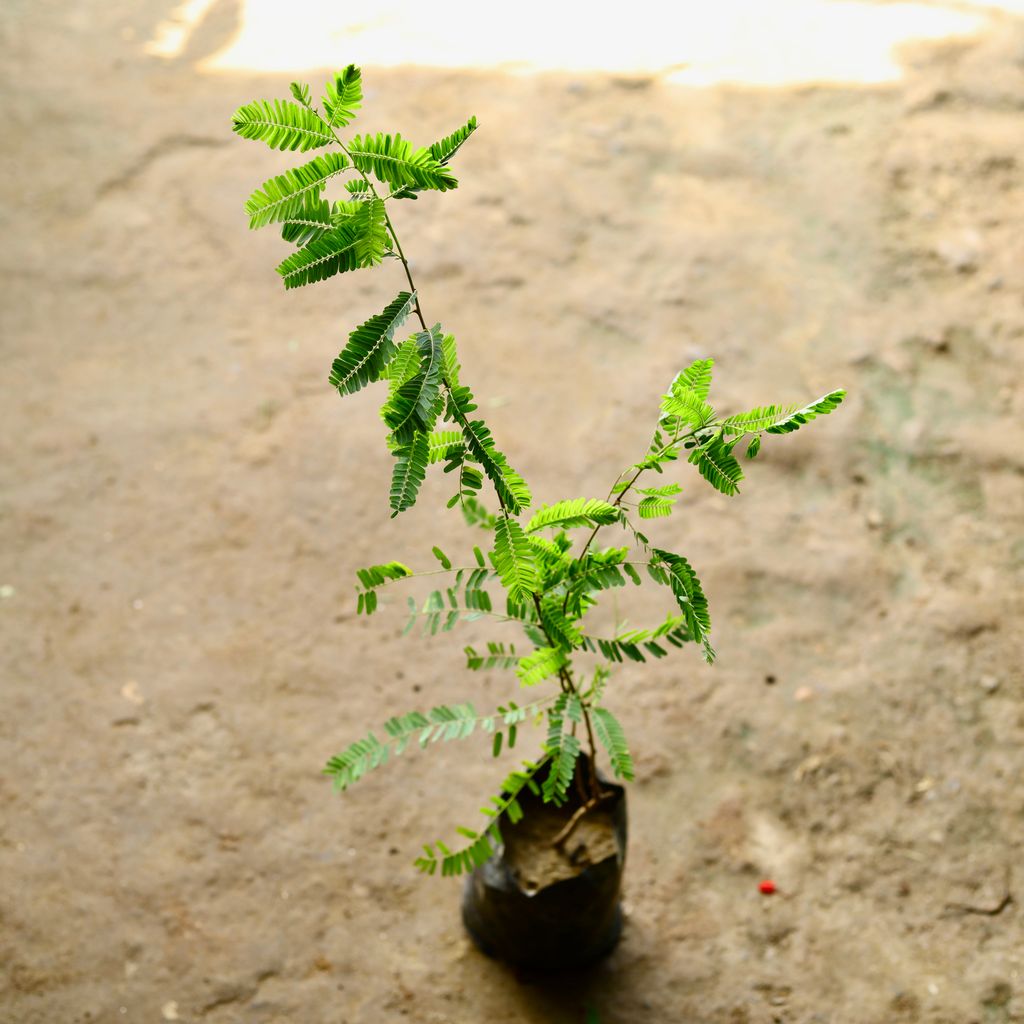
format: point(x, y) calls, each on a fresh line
point(282, 125)
point(343, 97)
point(393, 161)
point(370, 347)
point(359, 241)
point(549, 568)
point(285, 195)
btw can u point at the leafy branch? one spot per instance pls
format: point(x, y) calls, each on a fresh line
point(433, 420)
point(443, 723)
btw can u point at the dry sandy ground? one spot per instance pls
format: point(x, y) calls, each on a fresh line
point(184, 502)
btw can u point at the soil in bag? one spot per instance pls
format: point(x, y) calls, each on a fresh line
point(547, 907)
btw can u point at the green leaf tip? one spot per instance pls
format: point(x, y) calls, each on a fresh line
point(444, 149)
point(343, 96)
point(822, 407)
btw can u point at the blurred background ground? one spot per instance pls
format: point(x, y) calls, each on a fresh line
point(184, 502)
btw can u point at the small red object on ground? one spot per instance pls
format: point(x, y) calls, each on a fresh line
point(767, 887)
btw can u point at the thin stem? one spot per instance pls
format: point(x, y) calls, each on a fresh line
point(568, 686)
point(459, 418)
point(595, 786)
point(676, 439)
point(615, 504)
point(387, 220)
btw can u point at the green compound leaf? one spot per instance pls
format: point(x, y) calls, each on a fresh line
point(691, 410)
point(564, 632)
point(689, 596)
point(370, 346)
point(794, 421)
point(343, 97)
point(377, 575)
point(392, 160)
point(450, 361)
point(613, 739)
point(414, 406)
point(409, 473)
point(639, 644)
point(359, 188)
point(360, 241)
point(563, 766)
point(509, 485)
point(514, 560)
point(404, 365)
point(717, 465)
point(444, 149)
point(781, 419)
point(665, 491)
point(441, 724)
point(300, 90)
point(498, 655)
point(540, 664)
point(310, 220)
point(281, 124)
point(483, 845)
point(280, 197)
point(654, 507)
point(577, 512)
point(686, 405)
point(696, 378)
point(445, 444)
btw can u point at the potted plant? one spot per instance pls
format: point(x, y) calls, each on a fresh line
point(545, 862)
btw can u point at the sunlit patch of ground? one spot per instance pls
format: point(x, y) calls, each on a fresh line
point(751, 42)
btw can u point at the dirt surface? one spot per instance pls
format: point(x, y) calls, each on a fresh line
point(184, 502)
